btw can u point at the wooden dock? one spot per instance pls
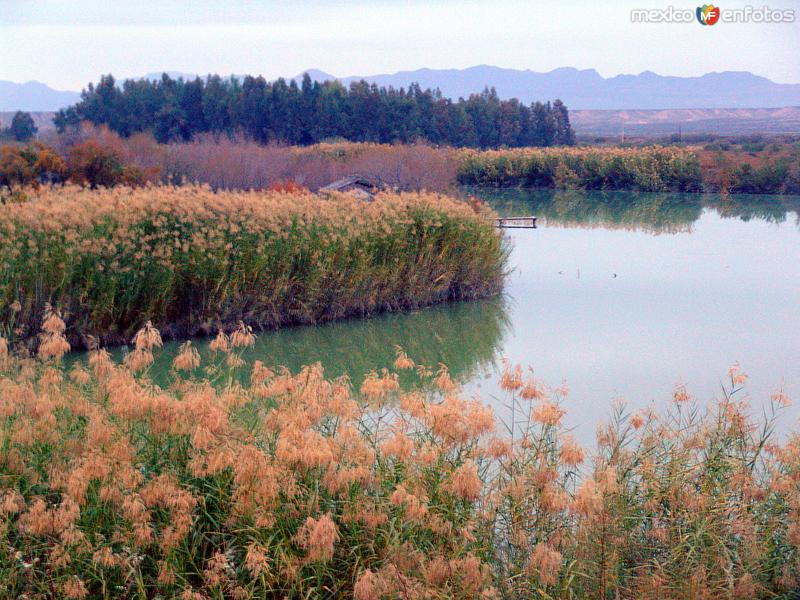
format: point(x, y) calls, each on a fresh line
point(515, 223)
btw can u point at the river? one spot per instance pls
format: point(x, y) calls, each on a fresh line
point(621, 296)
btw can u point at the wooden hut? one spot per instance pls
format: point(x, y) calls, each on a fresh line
point(363, 188)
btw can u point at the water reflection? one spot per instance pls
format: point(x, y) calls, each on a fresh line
point(618, 312)
point(596, 300)
point(635, 211)
point(465, 336)
point(772, 209)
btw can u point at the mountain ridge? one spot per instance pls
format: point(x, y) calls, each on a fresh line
point(580, 89)
point(34, 96)
point(586, 89)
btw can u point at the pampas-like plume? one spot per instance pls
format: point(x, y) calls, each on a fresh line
point(294, 485)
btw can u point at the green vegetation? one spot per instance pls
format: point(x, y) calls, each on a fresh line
point(297, 486)
point(768, 178)
point(466, 336)
point(638, 211)
point(99, 157)
point(665, 212)
point(29, 165)
point(650, 169)
point(22, 126)
point(314, 112)
point(193, 260)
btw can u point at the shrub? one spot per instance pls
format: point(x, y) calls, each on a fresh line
point(287, 186)
point(229, 164)
point(94, 165)
point(15, 169)
point(766, 179)
point(717, 147)
point(49, 166)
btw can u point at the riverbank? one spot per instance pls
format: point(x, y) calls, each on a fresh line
point(297, 485)
point(652, 169)
point(195, 262)
point(765, 169)
point(229, 164)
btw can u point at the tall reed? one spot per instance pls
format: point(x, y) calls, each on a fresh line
point(193, 260)
point(297, 486)
point(650, 169)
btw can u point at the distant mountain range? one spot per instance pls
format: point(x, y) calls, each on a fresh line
point(33, 96)
point(654, 123)
point(579, 89)
point(587, 89)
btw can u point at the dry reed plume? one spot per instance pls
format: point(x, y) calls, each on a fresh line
point(296, 486)
point(194, 261)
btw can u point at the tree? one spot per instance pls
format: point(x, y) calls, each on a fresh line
point(190, 99)
point(22, 126)
point(67, 118)
point(14, 168)
point(252, 110)
point(542, 132)
point(332, 111)
point(50, 167)
point(216, 105)
point(95, 165)
point(563, 134)
point(306, 113)
point(170, 124)
point(288, 113)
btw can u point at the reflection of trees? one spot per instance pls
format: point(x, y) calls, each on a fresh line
point(465, 336)
point(770, 208)
point(639, 211)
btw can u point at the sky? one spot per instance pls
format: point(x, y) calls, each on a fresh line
point(67, 43)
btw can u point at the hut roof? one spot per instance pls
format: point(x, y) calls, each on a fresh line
point(351, 182)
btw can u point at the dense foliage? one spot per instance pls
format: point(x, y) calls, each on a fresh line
point(295, 486)
point(30, 165)
point(312, 112)
point(89, 163)
point(650, 169)
point(96, 156)
point(22, 127)
point(191, 259)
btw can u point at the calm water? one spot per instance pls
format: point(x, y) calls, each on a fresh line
point(619, 295)
point(624, 295)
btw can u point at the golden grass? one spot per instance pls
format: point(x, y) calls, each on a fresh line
point(297, 486)
point(196, 261)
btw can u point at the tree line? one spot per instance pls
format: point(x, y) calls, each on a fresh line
point(310, 112)
point(22, 127)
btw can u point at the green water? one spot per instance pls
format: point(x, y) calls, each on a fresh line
point(652, 212)
point(465, 336)
point(620, 295)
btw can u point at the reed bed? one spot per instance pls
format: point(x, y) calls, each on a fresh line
point(650, 169)
point(296, 486)
point(192, 260)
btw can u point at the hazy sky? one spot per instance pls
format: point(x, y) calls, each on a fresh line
point(67, 43)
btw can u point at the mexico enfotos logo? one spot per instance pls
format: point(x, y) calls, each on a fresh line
point(709, 14)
